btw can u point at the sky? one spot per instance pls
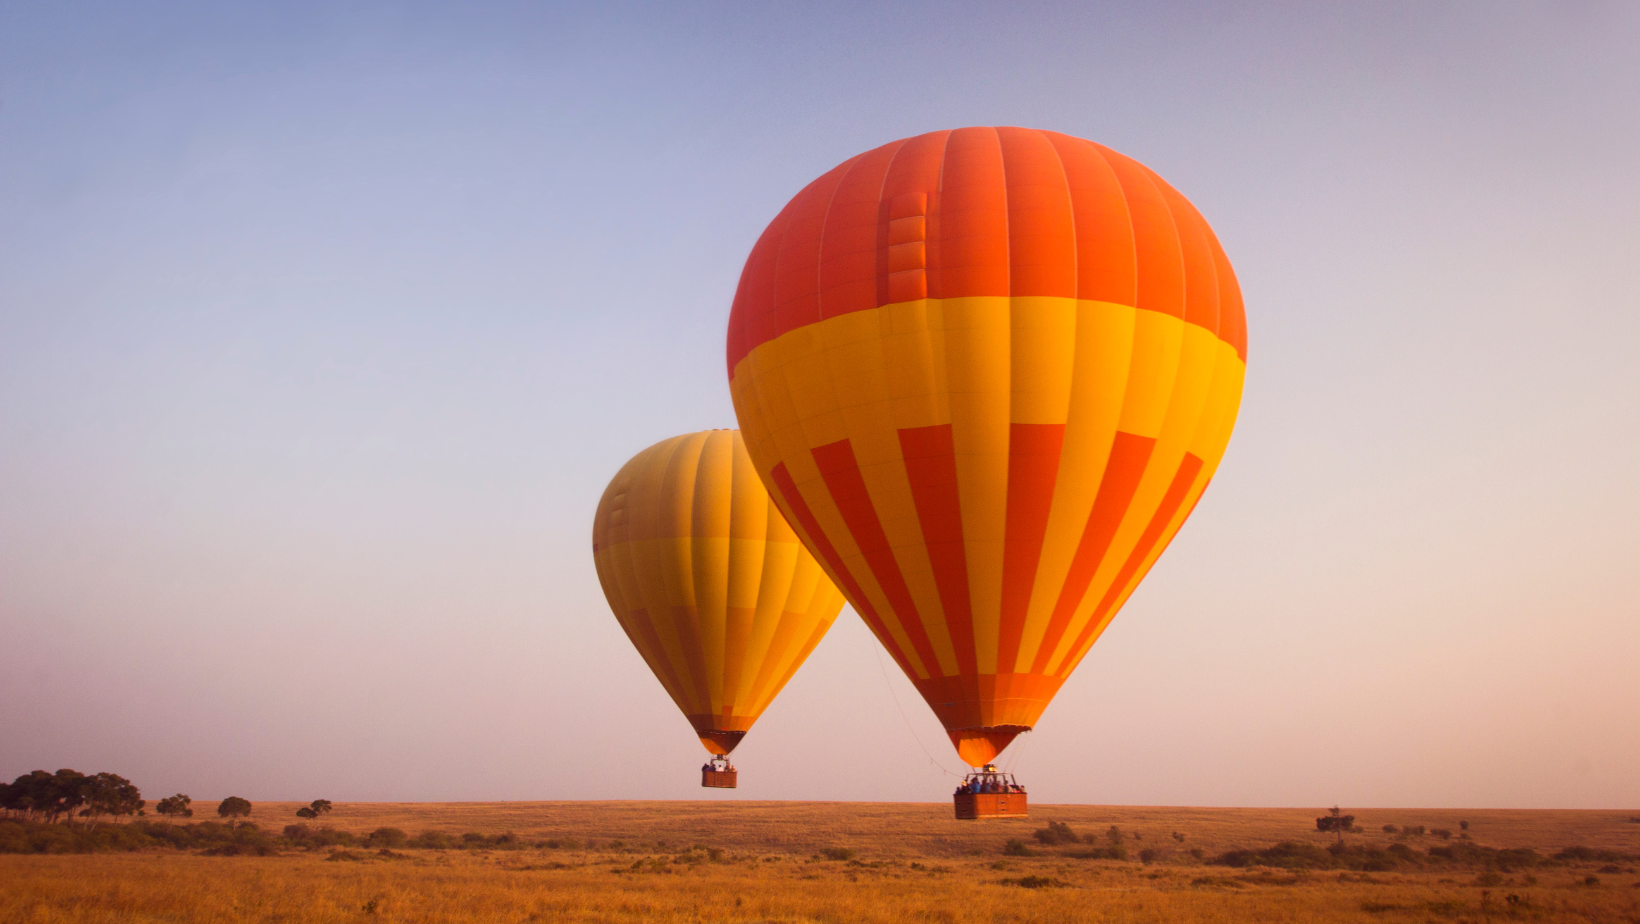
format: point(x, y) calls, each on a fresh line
point(323, 327)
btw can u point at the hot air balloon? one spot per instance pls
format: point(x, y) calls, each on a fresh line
point(713, 588)
point(987, 373)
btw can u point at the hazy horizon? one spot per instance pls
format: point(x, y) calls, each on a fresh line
point(323, 329)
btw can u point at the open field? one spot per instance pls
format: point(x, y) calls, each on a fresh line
point(768, 861)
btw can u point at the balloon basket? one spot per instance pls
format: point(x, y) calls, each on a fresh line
point(990, 793)
point(718, 773)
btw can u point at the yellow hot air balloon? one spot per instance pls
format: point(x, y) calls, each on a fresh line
point(714, 589)
point(987, 373)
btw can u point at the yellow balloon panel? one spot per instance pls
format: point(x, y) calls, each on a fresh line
point(714, 589)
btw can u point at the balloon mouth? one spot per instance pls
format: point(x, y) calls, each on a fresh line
point(979, 746)
point(720, 742)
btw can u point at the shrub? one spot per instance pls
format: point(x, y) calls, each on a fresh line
point(1413, 830)
point(1016, 848)
point(1148, 855)
point(387, 837)
point(1034, 882)
point(1391, 829)
point(1286, 855)
point(434, 840)
point(1463, 826)
point(1178, 837)
point(1057, 832)
point(830, 853)
point(1444, 834)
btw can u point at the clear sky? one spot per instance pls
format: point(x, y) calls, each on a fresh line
point(323, 326)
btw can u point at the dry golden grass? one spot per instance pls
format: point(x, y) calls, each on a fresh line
point(914, 863)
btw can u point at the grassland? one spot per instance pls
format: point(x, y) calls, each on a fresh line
point(768, 861)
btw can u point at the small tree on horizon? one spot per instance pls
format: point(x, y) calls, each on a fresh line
point(178, 805)
point(234, 807)
point(1336, 822)
point(315, 809)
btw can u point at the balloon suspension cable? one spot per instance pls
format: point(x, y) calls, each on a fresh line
point(1017, 755)
point(907, 721)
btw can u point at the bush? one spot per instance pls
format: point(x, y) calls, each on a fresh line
point(1057, 832)
point(1391, 829)
point(1286, 855)
point(1444, 834)
point(1034, 882)
point(314, 838)
point(1148, 855)
point(387, 837)
point(1016, 848)
point(837, 853)
point(434, 840)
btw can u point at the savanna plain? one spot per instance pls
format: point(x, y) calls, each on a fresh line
point(842, 862)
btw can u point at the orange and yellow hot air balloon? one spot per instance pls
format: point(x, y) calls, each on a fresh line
point(713, 588)
point(987, 373)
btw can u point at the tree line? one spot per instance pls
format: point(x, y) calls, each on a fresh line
point(69, 794)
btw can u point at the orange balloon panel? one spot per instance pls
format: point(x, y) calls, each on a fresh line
point(710, 583)
point(987, 373)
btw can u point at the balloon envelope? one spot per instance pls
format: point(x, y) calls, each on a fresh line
point(987, 373)
point(713, 588)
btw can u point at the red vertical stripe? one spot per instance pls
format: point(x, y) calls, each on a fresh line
point(1041, 231)
point(971, 256)
point(1129, 454)
point(848, 253)
point(1201, 285)
point(1161, 264)
point(848, 490)
point(1176, 491)
point(1033, 464)
point(828, 553)
point(931, 466)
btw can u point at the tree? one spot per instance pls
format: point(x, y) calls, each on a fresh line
point(314, 810)
point(48, 795)
point(1335, 822)
point(234, 807)
point(109, 794)
point(174, 806)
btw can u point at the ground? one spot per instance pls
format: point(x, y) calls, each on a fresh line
point(804, 861)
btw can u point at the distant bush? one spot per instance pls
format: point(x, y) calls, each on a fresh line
point(310, 838)
point(434, 840)
point(387, 837)
point(837, 853)
point(1463, 825)
point(1286, 855)
point(1057, 832)
point(1178, 837)
point(1391, 829)
point(1444, 834)
point(1148, 855)
point(1413, 831)
point(1034, 882)
point(1016, 848)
